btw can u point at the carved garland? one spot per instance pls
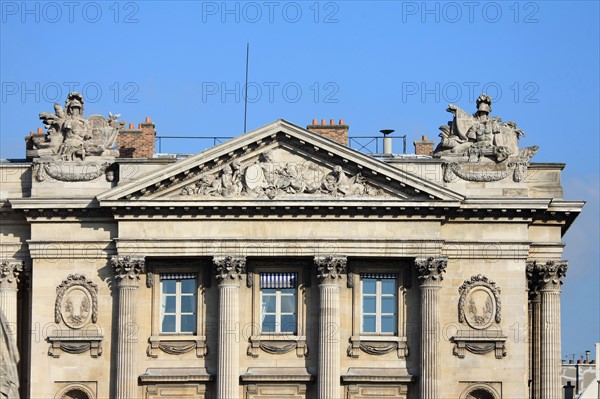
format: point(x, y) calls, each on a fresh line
point(75, 280)
point(476, 320)
point(89, 171)
point(518, 167)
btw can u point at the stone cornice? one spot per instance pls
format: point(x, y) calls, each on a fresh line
point(229, 269)
point(128, 269)
point(330, 268)
point(430, 270)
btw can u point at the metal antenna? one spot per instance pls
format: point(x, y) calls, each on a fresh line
point(246, 87)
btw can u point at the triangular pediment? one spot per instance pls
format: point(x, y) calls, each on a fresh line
point(279, 161)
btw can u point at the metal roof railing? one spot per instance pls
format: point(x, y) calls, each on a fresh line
point(366, 144)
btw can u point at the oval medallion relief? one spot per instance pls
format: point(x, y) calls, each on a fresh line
point(479, 307)
point(76, 307)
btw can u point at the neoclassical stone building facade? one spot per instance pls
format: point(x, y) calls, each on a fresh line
point(283, 264)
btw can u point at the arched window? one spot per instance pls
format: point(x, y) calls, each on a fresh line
point(76, 394)
point(480, 393)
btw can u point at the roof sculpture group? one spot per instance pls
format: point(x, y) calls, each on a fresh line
point(476, 147)
point(482, 139)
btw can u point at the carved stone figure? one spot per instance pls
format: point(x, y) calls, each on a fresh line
point(470, 140)
point(75, 148)
point(9, 359)
point(267, 178)
point(71, 136)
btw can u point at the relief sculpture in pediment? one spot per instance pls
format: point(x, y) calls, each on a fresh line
point(268, 178)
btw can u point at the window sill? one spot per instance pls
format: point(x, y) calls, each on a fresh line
point(377, 345)
point(75, 342)
point(479, 343)
point(277, 344)
point(177, 345)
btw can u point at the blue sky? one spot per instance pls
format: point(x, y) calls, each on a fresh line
point(374, 64)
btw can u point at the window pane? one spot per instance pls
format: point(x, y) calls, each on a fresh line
point(388, 324)
point(269, 291)
point(369, 285)
point(169, 304)
point(188, 323)
point(268, 324)
point(368, 323)
point(288, 291)
point(188, 304)
point(168, 286)
point(388, 286)
point(168, 324)
point(288, 324)
point(388, 304)
point(288, 304)
point(369, 304)
point(268, 304)
point(188, 286)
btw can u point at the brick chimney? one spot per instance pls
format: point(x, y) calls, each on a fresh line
point(424, 146)
point(137, 143)
point(332, 131)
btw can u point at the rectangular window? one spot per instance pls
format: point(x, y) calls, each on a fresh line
point(279, 303)
point(178, 299)
point(379, 299)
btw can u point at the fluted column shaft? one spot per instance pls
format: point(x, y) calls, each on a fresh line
point(550, 344)
point(228, 362)
point(430, 275)
point(9, 280)
point(126, 379)
point(329, 272)
point(544, 281)
point(428, 387)
point(127, 271)
point(229, 271)
point(329, 341)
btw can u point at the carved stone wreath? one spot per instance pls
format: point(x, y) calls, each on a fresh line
point(76, 301)
point(479, 304)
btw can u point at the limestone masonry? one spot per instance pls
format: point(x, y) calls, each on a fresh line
point(281, 264)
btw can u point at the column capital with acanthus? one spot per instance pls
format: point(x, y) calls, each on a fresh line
point(330, 268)
point(128, 269)
point(430, 270)
point(545, 275)
point(10, 271)
point(229, 268)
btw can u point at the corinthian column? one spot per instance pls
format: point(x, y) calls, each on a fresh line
point(9, 278)
point(127, 274)
point(229, 272)
point(549, 278)
point(429, 272)
point(329, 273)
